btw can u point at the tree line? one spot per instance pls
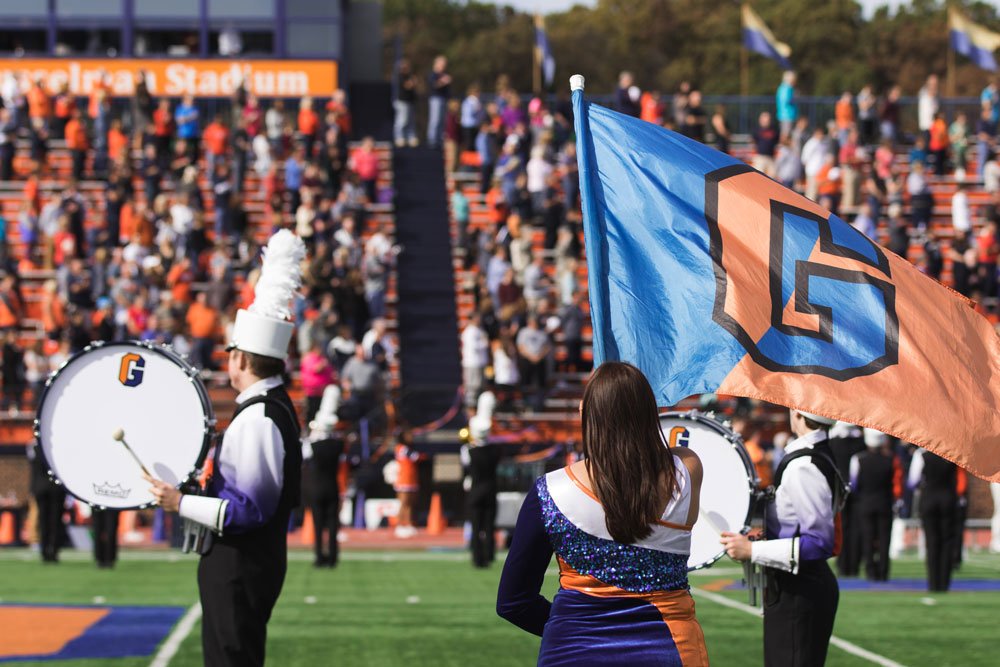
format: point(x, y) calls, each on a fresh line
point(664, 42)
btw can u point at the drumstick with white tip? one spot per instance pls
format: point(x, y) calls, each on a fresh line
point(119, 435)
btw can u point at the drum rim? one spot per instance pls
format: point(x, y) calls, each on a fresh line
point(736, 442)
point(158, 348)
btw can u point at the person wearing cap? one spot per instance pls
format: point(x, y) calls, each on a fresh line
point(876, 482)
point(802, 594)
point(256, 479)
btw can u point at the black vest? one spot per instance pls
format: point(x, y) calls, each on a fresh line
point(278, 407)
point(874, 482)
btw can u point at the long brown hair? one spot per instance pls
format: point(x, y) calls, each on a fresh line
point(626, 453)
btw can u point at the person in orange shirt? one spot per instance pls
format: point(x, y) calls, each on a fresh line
point(39, 103)
point(163, 127)
point(938, 144)
point(651, 107)
point(11, 309)
point(76, 142)
point(117, 142)
point(203, 321)
point(101, 85)
point(62, 110)
point(828, 183)
point(215, 138)
point(179, 280)
point(843, 114)
point(308, 125)
point(407, 483)
point(338, 113)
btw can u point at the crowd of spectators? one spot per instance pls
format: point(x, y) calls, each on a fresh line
point(165, 245)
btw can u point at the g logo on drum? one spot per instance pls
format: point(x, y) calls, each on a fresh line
point(819, 272)
point(678, 437)
point(131, 370)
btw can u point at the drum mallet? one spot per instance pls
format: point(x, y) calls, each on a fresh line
point(119, 435)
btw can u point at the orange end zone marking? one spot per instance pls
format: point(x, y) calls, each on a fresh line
point(41, 630)
point(717, 585)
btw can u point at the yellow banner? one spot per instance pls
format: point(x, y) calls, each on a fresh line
point(203, 78)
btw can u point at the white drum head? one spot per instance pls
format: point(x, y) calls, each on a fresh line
point(726, 487)
point(149, 393)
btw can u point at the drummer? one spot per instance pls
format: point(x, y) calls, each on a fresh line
point(257, 475)
point(802, 593)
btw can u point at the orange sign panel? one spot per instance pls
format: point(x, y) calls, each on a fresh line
point(174, 78)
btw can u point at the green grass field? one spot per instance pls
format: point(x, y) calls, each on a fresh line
point(423, 609)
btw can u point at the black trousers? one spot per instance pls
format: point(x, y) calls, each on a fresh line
point(937, 514)
point(325, 506)
point(238, 589)
point(79, 157)
point(105, 524)
point(50, 527)
point(849, 558)
point(799, 610)
point(483, 517)
point(875, 521)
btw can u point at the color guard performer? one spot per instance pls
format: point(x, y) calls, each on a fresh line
point(256, 480)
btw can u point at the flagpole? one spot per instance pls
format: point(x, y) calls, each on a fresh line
point(950, 75)
point(536, 68)
point(594, 242)
point(744, 71)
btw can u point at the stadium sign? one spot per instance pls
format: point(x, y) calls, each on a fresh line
point(204, 78)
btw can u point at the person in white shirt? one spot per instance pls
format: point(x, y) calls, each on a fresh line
point(538, 169)
point(813, 157)
point(961, 215)
point(475, 358)
point(802, 592)
point(928, 104)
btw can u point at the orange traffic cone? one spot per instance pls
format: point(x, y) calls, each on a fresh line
point(308, 530)
point(126, 522)
point(8, 533)
point(435, 520)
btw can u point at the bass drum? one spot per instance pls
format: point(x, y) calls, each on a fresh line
point(144, 389)
point(729, 483)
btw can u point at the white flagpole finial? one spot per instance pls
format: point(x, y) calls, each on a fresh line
point(576, 82)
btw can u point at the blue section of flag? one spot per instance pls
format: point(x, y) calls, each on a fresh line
point(962, 42)
point(758, 43)
point(651, 279)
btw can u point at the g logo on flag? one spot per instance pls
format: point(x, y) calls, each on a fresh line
point(831, 305)
point(130, 371)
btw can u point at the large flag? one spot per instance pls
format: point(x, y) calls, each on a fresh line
point(972, 40)
point(543, 50)
point(711, 277)
point(757, 37)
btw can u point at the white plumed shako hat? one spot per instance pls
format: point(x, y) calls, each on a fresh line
point(263, 328)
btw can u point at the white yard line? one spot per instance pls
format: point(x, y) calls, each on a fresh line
point(842, 644)
point(177, 637)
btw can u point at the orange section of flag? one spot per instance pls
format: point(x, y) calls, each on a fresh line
point(43, 630)
point(943, 390)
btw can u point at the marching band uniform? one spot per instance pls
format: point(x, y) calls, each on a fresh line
point(941, 483)
point(801, 597)
point(50, 498)
point(846, 440)
point(256, 480)
point(483, 459)
point(876, 482)
point(617, 603)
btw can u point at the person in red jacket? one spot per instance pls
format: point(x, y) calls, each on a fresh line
point(77, 143)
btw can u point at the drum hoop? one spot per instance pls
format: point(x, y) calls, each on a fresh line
point(736, 442)
point(171, 355)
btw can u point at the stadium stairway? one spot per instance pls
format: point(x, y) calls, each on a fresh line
point(430, 368)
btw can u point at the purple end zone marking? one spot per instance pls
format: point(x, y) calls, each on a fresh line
point(125, 632)
point(904, 585)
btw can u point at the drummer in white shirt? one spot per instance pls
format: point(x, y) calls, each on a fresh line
point(802, 593)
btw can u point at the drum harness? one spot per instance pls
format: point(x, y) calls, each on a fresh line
point(756, 578)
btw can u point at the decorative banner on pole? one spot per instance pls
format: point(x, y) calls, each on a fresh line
point(544, 50)
point(757, 37)
point(972, 40)
point(709, 276)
